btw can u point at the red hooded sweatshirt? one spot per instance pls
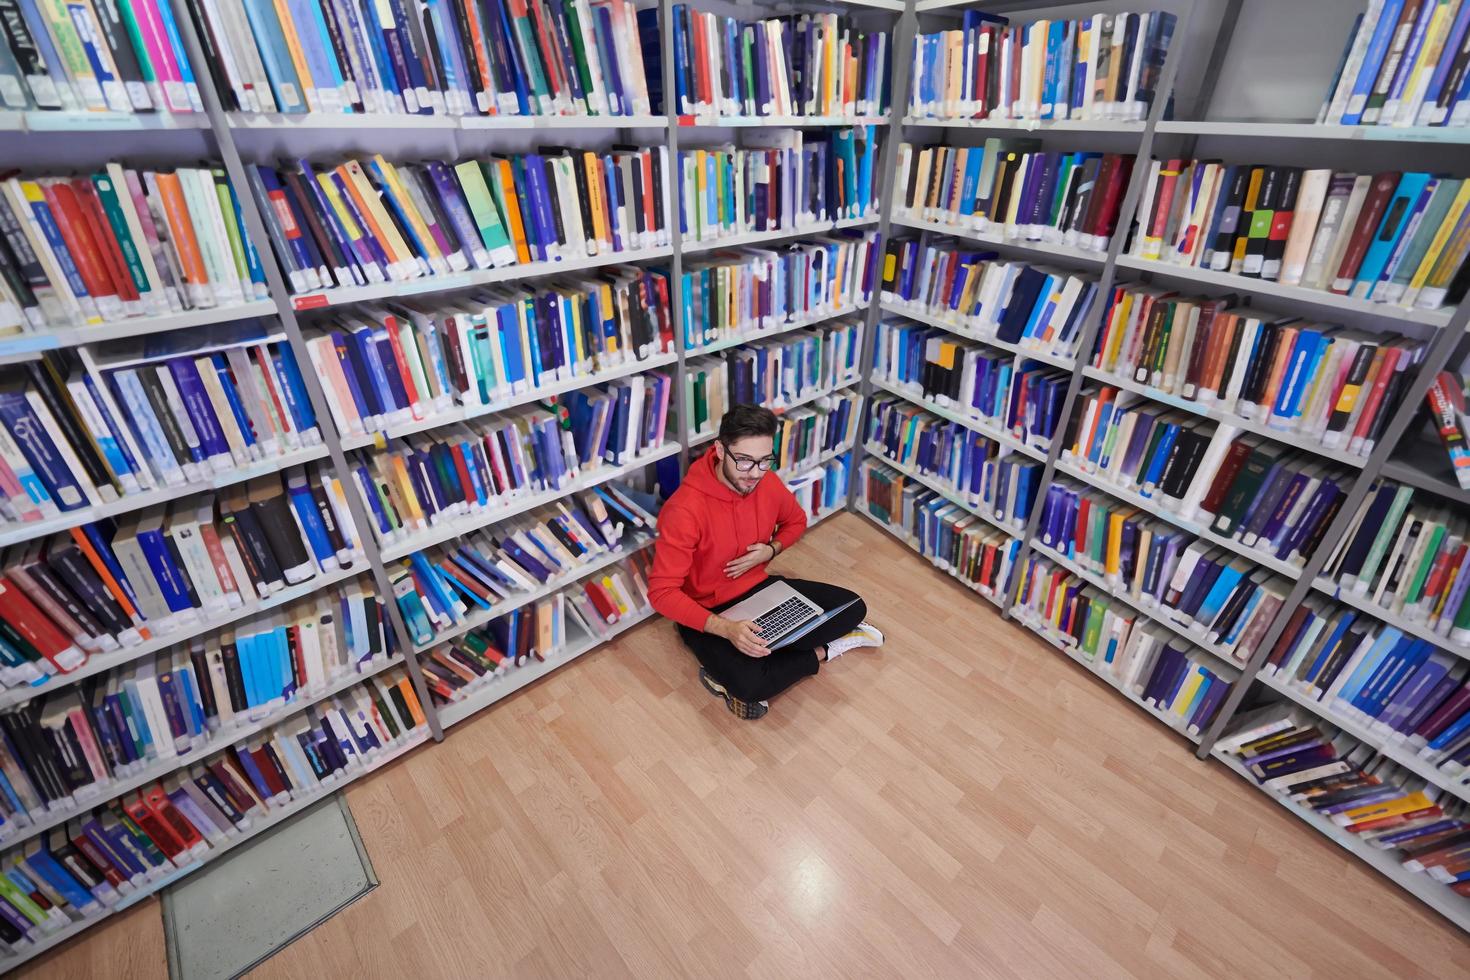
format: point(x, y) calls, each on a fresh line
point(704, 526)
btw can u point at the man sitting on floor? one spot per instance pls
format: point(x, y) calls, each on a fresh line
point(716, 533)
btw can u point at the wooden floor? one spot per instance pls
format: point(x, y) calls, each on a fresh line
point(963, 803)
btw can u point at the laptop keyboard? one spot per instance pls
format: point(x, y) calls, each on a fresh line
point(774, 622)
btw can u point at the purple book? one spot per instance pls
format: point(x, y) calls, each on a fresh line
point(1442, 689)
point(197, 406)
point(1204, 712)
point(1415, 688)
point(1273, 485)
point(458, 213)
point(1326, 490)
point(1272, 527)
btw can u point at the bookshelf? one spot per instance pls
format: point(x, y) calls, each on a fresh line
point(1221, 49)
point(1244, 75)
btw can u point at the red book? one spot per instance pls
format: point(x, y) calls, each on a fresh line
point(97, 856)
point(241, 798)
point(1107, 212)
point(1235, 458)
point(163, 808)
point(79, 241)
point(157, 830)
point(1452, 708)
point(702, 94)
point(390, 322)
point(461, 466)
point(105, 238)
point(1380, 192)
point(25, 618)
point(602, 602)
point(1169, 173)
point(267, 767)
point(1392, 357)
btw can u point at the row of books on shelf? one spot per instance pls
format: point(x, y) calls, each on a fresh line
point(459, 58)
point(821, 490)
point(78, 873)
point(405, 362)
point(459, 668)
point(1408, 552)
point(441, 589)
point(1035, 308)
point(1353, 790)
point(978, 470)
point(96, 56)
point(1241, 487)
point(1294, 376)
point(805, 434)
point(185, 413)
point(1106, 66)
point(817, 64)
point(122, 243)
point(779, 180)
point(472, 469)
point(165, 570)
point(1022, 399)
point(743, 292)
point(1392, 237)
point(1145, 661)
point(776, 373)
point(67, 749)
point(1014, 189)
point(975, 552)
point(1404, 65)
point(1399, 688)
point(370, 221)
point(1224, 601)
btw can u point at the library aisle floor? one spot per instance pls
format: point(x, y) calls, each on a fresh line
point(965, 803)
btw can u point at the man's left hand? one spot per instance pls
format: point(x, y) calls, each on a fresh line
point(756, 554)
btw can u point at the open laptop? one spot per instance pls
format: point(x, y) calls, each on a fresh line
point(781, 614)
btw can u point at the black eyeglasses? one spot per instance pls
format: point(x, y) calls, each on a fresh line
point(745, 464)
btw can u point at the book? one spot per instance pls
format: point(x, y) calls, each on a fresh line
point(1386, 238)
point(977, 295)
point(1014, 189)
point(1405, 67)
point(809, 65)
point(1445, 403)
point(486, 58)
point(790, 284)
point(1062, 68)
point(374, 221)
point(124, 243)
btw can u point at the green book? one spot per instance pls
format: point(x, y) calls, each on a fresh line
point(1387, 531)
point(1247, 484)
point(232, 228)
point(1093, 631)
point(112, 209)
point(595, 107)
point(484, 207)
point(1426, 561)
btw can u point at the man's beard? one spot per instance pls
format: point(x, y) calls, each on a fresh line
point(734, 478)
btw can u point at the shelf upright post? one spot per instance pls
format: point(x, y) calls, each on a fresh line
point(904, 32)
point(673, 202)
point(1136, 179)
point(1435, 357)
point(255, 225)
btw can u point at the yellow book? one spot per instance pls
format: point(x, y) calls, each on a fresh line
point(1186, 694)
point(1452, 219)
point(829, 66)
point(298, 57)
point(1121, 315)
point(394, 243)
point(571, 306)
point(1113, 561)
point(613, 341)
point(1425, 62)
point(597, 202)
point(1035, 64)
point(329, 188)
point(403, 484)
point(420, 227)
point(1388, 808)
point(611, 586)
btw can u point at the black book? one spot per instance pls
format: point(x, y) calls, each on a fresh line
point(1184, 459)
point(254, 547)
point(158, 399)
point(71, 567)
point(273, 513)
point(124, 58)
point(48, 383)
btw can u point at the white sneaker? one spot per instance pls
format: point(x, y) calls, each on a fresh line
point(866, 635)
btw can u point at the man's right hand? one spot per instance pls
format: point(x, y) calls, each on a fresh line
point(741, 633)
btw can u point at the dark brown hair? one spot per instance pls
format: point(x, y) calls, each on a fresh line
point(743, 421)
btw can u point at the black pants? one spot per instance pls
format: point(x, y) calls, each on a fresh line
point(759, 678)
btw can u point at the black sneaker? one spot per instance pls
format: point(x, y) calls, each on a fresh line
point(749, 710)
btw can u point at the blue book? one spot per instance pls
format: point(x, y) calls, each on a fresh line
point(36, 444)
point(1401, 207)
point(1383, 31)
point(270, 40)
point(173, 583)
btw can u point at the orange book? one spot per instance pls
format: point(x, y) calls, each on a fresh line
point(648, 220)
point(105, 574)
point(1221, 339)
point(181, 229)
point(412, 700)
point(298, 57)
point(1279, 363)
point(373, 228)
point(506, 179)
